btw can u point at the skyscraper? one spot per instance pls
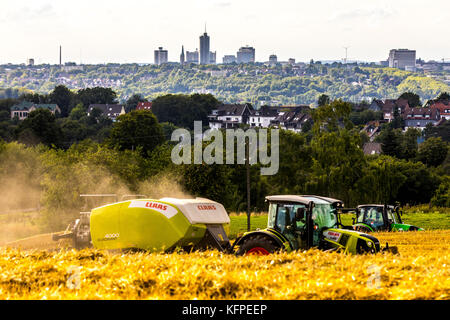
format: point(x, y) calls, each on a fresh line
point(204, 48)
point(182, 56)
point(246, 55)
point(161, 56)
point(402, 58)
point(192, 57)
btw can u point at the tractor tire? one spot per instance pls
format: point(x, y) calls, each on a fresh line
point(257, 245)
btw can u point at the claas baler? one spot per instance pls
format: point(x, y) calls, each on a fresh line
point(152, 225)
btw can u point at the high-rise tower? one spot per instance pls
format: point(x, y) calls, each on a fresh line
point(161, 56)
point(204, 48)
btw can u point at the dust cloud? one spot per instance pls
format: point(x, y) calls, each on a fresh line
point(40, 195)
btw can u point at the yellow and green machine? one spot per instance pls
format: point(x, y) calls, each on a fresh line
point(376, 217)
point(303, 222)
point(168, 224)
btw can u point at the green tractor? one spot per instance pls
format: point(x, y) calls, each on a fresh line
point(303, 222)
point(375, 217)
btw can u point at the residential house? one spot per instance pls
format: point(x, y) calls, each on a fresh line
point(372, 148)
point(144, 106)
point(372, 129)
point(111, 111)
point(443, 108)
point(291, 120)
point(23, 109)
point(391, 105)
point(376, 105)
point(261, 118)
point(228, 116)
point(420, 117)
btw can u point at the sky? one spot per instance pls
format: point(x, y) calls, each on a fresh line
point(112, 31)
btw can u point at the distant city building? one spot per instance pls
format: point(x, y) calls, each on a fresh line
point(212, 57)
point(402, 59)
point(30, 62)
point(273, 60)
point(182, 57)
point(245, 55)
point(291, 61)
point(228, 59)
point(204, 49)
point(192, 57)
point(161, 56)
point(71, 66)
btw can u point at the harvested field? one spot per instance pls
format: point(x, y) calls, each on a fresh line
point(419, 271)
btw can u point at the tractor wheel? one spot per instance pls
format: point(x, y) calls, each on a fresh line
point(257, 245)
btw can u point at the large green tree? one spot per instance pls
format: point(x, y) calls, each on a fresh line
point(40, 127)
point(63, 97)
point(133, 101)
point(413, 99)
point(97, 95)
point(137, 129)
point(183, 110)
point(433, 152)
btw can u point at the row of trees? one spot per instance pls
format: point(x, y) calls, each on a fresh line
point(251, 82)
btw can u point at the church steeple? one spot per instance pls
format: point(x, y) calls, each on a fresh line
point(182, 56)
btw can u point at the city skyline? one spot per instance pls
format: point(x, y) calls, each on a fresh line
point(91, 32)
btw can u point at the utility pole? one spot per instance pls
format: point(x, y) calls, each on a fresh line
point(247, 164)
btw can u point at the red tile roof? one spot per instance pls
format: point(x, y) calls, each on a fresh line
point(144, 106)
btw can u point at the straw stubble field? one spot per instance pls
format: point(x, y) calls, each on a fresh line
point(419, 271)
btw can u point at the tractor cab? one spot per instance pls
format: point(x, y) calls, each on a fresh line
point(303, 222)
point(291, 219)
point(373, 217)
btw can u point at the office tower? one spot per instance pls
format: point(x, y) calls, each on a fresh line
point(161, 56)
point(204, 49)
point(273, 58)
point(192, 57)
point(30, 62)
point(212, 57)
point(246, 55)
point(402, 59)
point(182, 60)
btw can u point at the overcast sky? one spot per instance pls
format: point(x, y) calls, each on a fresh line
point(101, 31)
